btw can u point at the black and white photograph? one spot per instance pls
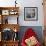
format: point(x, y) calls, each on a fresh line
point(30, 13)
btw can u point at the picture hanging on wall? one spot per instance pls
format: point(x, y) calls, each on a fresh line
point(30, 13)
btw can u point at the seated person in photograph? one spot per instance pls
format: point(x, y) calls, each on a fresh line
point(30, 38)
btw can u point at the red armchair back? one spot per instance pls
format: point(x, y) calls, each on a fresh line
point(29, 33)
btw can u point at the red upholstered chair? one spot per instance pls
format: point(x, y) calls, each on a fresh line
point(29, 33)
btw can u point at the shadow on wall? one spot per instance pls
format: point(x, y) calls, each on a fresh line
point(37, 29)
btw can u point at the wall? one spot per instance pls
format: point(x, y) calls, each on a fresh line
point(31, 3)
point(26, 3)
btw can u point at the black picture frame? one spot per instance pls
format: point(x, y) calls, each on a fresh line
point(30, 13)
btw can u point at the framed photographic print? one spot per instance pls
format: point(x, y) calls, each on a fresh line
point(13, 12)
point(5, 20)
point(30, 13)
point(12, 20)
point(5, 12)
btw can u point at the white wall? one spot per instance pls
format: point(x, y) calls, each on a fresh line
point(26, 3)
point(31, 3)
